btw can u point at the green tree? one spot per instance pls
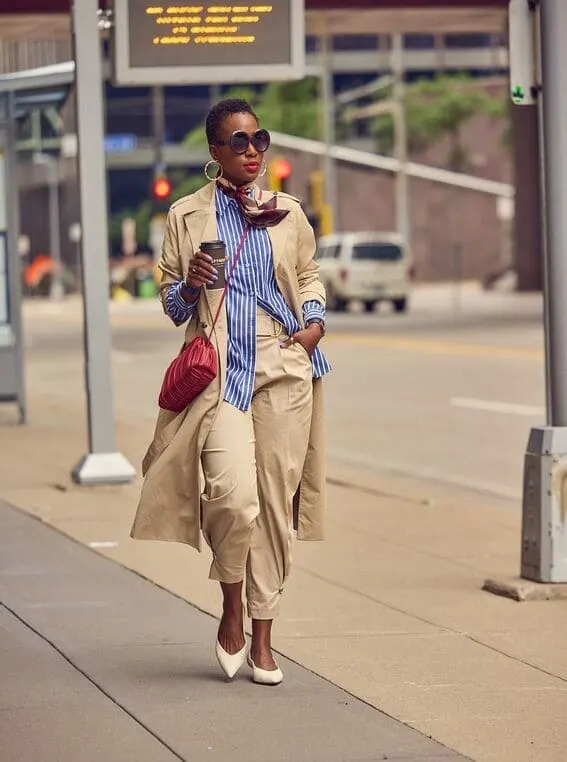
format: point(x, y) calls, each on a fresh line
point(290, 107)
point(183, 185)
point(435, 109)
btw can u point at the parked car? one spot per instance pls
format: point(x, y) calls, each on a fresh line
point(369, 267)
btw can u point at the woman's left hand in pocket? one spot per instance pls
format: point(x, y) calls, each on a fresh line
point(308, 338)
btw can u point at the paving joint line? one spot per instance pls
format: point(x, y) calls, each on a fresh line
point(198, 608)
point(93, 682)
point(431, 623)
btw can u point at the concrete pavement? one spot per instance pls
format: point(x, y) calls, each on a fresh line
point(390, 608)
point(98, 665)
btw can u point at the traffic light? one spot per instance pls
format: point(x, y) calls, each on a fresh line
point(162, 189)
point(279, 172)
point(161, 194)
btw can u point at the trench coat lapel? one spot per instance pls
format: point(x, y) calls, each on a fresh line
point(201, 223)
point(200, 218)
point(278, 237)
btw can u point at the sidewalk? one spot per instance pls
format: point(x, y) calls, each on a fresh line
point(100, 665)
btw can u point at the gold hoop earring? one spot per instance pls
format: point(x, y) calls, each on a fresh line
point(219, 173)
point(264, 171)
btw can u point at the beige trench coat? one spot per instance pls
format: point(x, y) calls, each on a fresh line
point(169, 507)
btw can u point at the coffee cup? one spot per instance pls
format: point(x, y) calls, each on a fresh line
point(217, 251)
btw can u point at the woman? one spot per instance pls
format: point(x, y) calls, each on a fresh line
point(256, 430)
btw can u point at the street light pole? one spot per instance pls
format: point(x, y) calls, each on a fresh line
point(329, 137)
point(544, 530)
point(102, 465)
point(56, 290)
point(554, 55)
point(158, 118)
point(403, 209)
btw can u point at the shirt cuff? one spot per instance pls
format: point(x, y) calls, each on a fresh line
point(177, 308)
point(313, 311)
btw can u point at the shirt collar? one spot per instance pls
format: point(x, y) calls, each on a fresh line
point(223, 202)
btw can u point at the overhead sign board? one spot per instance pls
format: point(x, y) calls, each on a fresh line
point(208, 42)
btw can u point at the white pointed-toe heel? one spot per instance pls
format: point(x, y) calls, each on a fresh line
point(230, 663)
point(265, 676)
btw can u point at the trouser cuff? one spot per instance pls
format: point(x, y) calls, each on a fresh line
point(266, 610)
point(218, 574)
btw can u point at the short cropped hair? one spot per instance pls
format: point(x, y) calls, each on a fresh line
point(221, 111)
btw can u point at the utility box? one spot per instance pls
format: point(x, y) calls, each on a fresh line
point(544, 517)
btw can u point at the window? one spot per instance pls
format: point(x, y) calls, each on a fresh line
point(471, 40)
point(355, 42)
point(377, 252)
point(329, 252)
point(419, 41)
point(311, 44)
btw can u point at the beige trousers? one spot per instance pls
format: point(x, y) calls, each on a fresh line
point(252, 463)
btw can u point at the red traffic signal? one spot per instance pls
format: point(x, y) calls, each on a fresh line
point(162, 188)
point(282, 169)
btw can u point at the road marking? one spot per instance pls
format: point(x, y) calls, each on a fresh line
point(490, 406)
point(104, 544)
point(437, 347)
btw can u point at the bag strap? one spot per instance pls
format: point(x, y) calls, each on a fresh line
point(236, 258)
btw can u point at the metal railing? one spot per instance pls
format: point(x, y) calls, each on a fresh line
point(389, 164)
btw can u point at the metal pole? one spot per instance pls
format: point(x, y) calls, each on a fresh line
point(403, 220)
point(158, 112)
point(56, 291)
point(50, 164)
point(538, 214)
point(215, 93)
point(554, 63)
point(103, 464)
point(328, 118)
point(544, 523)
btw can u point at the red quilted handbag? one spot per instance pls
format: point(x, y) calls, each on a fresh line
point(197, 363)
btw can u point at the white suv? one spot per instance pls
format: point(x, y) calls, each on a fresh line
point(369, 267)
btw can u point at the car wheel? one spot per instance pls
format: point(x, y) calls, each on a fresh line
point(369, 306)
point(400, 305)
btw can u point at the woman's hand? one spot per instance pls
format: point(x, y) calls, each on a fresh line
point(308, 338)
point(201, 271)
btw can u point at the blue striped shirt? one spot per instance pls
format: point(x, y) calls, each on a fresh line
point(253, 285)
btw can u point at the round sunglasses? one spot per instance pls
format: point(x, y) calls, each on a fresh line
point(240, 141)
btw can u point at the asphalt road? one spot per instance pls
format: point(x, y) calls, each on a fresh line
point(447, 392)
